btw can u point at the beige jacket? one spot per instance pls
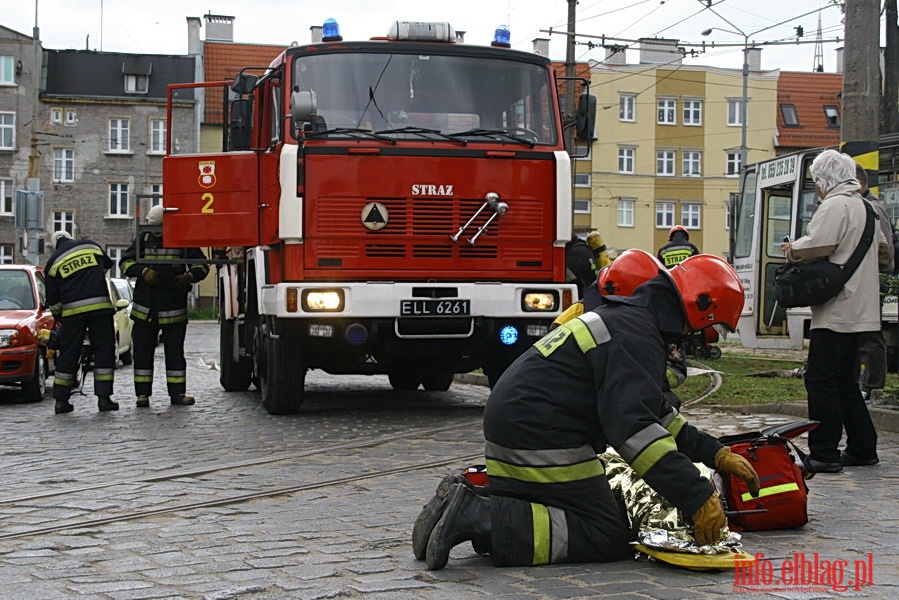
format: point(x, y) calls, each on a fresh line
point(834, 233)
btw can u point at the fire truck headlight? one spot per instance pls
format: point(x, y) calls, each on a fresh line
point(540, 301)
point(322, 300)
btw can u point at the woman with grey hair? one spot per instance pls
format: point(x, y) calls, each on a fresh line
point(831, 378)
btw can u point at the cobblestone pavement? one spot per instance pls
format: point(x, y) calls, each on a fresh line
point(223, 501)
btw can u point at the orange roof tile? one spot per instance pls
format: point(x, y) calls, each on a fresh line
point(223, 61)
point(809, 93)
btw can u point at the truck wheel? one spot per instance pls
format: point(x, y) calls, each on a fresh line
point(284, 377)
point(235, 375)
point(437, 381)
point(404, 381)
point(34, 390)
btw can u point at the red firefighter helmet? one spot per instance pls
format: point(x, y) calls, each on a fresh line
point(632, 268)
point(710, 290)
point(677, 228)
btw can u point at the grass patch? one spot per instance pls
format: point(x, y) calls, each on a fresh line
point(204, 314)
point(742, 385)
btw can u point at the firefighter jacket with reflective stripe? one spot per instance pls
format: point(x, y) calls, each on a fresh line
point(76, 278)
point(163, 304)
point(595, 381)
point(675, 252)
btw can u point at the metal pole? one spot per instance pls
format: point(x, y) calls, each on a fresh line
point(744, 108)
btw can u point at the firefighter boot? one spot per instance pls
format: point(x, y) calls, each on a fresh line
point(105, 403)
point(466, 517)
point(63, 406)
point(143, 401)
point(183, 399)
point(431, 513)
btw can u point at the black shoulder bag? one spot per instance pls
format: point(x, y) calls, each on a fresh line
point(815, 283)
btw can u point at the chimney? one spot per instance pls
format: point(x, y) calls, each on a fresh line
point(219, 28)
point(460, 37)
point(615, 55)
point(316, 33)
point(754, 59)
point(541, 46)
point(193, 36)
point(839, 60)
point(660, 51)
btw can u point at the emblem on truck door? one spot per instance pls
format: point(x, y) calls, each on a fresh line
point(374, 216)
point(207, 173)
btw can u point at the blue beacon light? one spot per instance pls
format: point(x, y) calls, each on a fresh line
point(502, 37)
point(331, 31)
point(508, 335)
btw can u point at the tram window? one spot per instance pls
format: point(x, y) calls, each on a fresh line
point(744, 221)
point(778, 224)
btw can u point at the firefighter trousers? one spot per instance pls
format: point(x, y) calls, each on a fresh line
point(576, 528)
point(145, 336)
point(101, 333)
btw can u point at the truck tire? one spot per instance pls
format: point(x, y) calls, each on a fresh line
point(284, 377)
point(404, 381)
point(235, 376)
point(34, 390)
point(437, 381)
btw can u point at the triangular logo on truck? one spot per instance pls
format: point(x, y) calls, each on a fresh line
point(374, 216)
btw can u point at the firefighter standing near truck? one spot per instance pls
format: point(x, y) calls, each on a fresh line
point(595, 381)
point(160, 305)
point(78, 296)
point(678, 248)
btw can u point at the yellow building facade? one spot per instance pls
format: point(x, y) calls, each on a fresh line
point(668, 150)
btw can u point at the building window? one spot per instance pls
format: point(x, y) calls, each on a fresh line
point(582, 180)
point(7, 131)
point(692, 164)
point(692, 112)
point(734, 164)
point(71, 117)
point(582, 206)
point(626, 159)
point(627, 108)
point(626, 212)
point(56, 116)
point(6, 197)
point(156, 191)
point(63, 165)
point(582, 148)
point(833, 116)
point(667, 111)
point(727, 206)
point(64, 220)
point(119, 135)
point(6, 257)
point(157, 136)
point(690, 215)
point(137, 84)
point(7, 70)
point(664, 215)
point(115, 253)
point(665, 162)
point(118, 200)
point(734, 116)
point(788, 111)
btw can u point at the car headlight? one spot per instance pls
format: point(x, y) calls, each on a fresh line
point(323, 300)
point(540, 301)
point(9, 337)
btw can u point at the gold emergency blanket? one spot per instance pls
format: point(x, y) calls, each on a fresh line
point(655, 522)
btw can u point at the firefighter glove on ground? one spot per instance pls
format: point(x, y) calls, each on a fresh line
point(738, 466)
point(151, 276)
point(184, 281)
point(709, 520)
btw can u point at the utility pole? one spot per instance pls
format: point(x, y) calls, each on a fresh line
point(31, 214)
point(570, 73)
point(860, 127)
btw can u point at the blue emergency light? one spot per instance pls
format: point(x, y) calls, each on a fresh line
point(508, 335)
point(501, 37)
point(331, 31)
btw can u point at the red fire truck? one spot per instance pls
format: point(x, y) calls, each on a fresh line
point(393, 206)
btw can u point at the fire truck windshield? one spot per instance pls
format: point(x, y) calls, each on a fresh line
point(433, 96)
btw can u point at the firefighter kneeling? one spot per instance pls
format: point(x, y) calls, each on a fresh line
point(595, 381)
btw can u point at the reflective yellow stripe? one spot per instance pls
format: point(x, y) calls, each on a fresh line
point(540, 519)
point(770, 491)
point(576, 472)
point(550, 342)
point(582, 335)
point(653, 454)
point(676, 425)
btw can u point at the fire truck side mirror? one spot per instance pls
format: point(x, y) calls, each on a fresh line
point(244, 83)
point(586, 116)
point(241, 117)
point(303, 106)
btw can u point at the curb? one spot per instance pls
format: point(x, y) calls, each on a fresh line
point(884, 419)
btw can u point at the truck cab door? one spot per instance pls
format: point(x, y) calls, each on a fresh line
point(211, 199)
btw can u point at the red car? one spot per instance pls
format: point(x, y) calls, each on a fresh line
point(23, 357)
